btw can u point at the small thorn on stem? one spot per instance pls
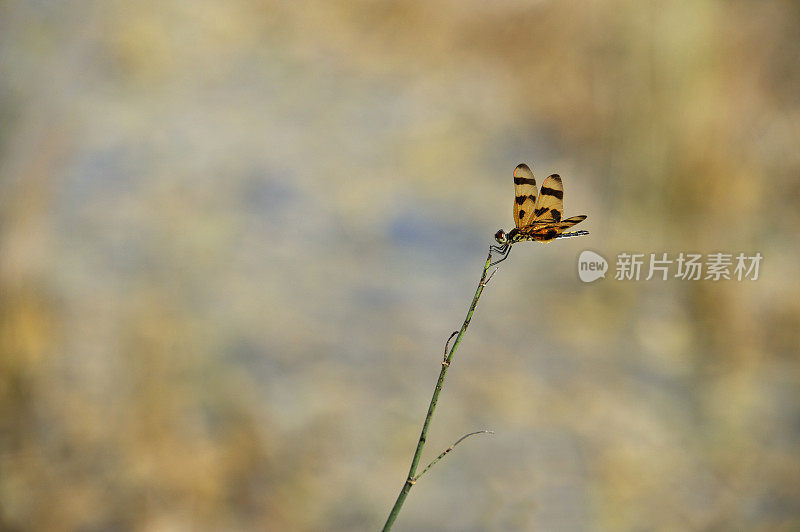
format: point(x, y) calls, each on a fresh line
point(447, 346)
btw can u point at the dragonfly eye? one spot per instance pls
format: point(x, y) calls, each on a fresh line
point(500, 236)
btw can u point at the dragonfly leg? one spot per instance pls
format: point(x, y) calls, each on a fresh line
point(505, 252)
point(498, 249)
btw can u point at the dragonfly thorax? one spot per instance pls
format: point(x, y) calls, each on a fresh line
point(511, 237)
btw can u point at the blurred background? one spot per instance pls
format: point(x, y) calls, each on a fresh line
point(234, 237)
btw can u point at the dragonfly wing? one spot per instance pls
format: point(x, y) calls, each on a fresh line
point(525, 195)
point(548, 231)
point(550, 204)
point(563, 225)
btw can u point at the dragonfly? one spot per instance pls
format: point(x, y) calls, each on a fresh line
point(537, 217)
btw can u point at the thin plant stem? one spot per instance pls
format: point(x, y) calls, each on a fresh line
point(412, 472)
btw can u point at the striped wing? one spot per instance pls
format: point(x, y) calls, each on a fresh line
point(550, 204)
point(525, 192)
point(548, 231)
point(563, 225)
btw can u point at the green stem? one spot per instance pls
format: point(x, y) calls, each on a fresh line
point(412, 478)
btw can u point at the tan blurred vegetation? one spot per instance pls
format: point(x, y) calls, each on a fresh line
point(235, 235)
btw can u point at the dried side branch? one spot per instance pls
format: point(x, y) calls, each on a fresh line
point(449, 449)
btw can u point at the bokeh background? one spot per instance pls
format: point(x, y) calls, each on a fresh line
point(234, 237)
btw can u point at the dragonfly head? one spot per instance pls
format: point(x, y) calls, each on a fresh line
point(501, 237)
